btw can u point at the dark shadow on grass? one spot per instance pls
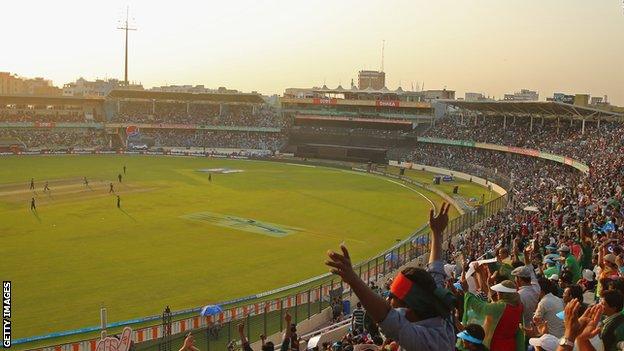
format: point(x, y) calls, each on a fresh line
point(36, 214)
point(127, 214)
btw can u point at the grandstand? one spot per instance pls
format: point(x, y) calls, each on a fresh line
point(50, 109)
point(208, 120)
point(560, 164)
point(347, 121)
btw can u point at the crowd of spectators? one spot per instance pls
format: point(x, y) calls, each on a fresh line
point(546, 273)
point(240, 115)
point(214, 139)
point(558, 137)
point(49, 116)
point(55, 138)
point(556, 247)
point(378, 133)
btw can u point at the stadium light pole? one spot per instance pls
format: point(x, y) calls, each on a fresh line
point(126, 29)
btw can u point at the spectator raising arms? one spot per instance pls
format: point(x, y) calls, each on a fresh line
point(417, 313)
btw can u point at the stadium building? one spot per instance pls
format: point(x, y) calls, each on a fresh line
point(352, 124)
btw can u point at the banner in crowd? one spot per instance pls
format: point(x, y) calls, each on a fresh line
point(387, 103)
point(318, 101)
point(446, 141)
point(192, 127)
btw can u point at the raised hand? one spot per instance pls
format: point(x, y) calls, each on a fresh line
point(570, 321)
point(438, 223)
point(113, 344)
point(590, 320)
point(341, 265)
point(189, 342)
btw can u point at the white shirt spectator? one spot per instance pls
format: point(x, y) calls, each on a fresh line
point(529, 295)
point(547, 310)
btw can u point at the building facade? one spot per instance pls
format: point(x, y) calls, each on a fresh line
point(443, 94)
point(371, 79)
point(12, 84)
point(522, 95)
point(97, 88)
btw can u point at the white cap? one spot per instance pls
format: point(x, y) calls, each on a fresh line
point(588, 275)
point(501, 288)
point(554, 277)
point(547, 342)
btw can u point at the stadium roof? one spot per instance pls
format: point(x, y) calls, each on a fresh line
point(157, 95)
point(368, 90)
point(545, 108)
point(47, 99)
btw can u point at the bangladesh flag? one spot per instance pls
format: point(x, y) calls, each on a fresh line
point(488, 315)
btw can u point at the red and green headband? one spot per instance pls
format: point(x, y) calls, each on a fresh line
point(418, 299)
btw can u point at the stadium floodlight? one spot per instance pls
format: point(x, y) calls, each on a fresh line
point(126, 28)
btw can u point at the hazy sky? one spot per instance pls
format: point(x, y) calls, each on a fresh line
point(488, 46)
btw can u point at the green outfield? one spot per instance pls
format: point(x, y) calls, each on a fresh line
point(178, 238)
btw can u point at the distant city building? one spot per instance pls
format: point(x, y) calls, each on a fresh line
point(371, 79)
point(473, 97)
point(430, 95)
point(561, 97)
point(597, 100)
point(581, 99)
point(97, 88)
point(11, 84)
point(522, 95)
point(197, 89)
point(476, 97)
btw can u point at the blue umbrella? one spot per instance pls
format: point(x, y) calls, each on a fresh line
point(210, 310)
point(392, 257)
point(608, 227)
point(422, 240)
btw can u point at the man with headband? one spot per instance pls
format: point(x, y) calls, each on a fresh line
point(417, 313)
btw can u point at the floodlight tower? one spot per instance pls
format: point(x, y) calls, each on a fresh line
point(126, 28)
point(383, 46)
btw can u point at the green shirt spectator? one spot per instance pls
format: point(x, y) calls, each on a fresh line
point(570, 263)
point(612, 331)
point(548, 272)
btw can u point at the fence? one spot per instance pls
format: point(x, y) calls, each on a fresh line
point(264, 314)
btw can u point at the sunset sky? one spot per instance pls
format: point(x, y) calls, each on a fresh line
point(493, 47)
